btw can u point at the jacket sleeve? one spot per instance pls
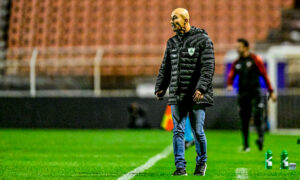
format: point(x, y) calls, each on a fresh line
point(164, 75)
point(207, 66)
point(260, 65)
point(231, 74)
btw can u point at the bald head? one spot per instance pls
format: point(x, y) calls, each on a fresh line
point(180, 19)
point(181, 12)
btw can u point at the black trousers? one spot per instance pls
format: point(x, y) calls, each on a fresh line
point(251, 104)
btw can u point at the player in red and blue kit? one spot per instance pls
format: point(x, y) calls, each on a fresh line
point(249, 67)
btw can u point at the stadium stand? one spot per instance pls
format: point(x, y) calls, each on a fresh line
point(132, 33)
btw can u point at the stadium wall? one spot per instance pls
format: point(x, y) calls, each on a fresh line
point(103, 113)
point(90, 112)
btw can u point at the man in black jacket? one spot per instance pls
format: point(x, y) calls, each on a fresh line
point(249, 67)
point(187, 69)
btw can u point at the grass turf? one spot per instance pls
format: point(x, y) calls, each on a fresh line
point(108, 154)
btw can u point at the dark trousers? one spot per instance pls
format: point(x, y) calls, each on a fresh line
point(251, 103)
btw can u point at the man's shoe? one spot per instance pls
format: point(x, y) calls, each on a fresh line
point(179, 172)
point(188, 144)
point(246, 149)
point(200, 170)
point(259, 144)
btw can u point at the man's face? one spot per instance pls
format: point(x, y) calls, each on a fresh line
point(177, 22)
point(241, 49)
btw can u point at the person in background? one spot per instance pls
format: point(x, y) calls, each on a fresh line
point(188, 135)
point(249, 67)
point(137, 117)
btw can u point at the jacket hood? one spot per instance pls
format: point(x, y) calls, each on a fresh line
point(195, 30)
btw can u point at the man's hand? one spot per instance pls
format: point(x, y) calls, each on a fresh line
point(229, 88)
point(160, 94)
point(197, 96)
point(273, 96)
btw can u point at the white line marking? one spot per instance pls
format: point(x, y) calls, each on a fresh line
point(148, 164)
point(286, 132)
point(241, 173)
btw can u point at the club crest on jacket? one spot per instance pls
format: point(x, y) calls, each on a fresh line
point(249, 64)
point(191, 51)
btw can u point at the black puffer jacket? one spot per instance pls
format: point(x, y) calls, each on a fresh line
point(188, 65)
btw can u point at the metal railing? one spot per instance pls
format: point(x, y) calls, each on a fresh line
point(38, 62)
point(18, 59)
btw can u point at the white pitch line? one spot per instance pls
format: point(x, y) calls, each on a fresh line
point(286, 132)
point(241, 173)
point(148, 164)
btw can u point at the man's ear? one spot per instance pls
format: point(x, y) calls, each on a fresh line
point(186, 21)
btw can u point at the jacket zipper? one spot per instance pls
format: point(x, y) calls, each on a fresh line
point(179, 69)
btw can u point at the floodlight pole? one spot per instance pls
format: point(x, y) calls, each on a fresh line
point(97, 72)
point(32, 72)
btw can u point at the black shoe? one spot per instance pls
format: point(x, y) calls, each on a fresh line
point(200, 170)
point(179, 172)
point(259, 143)
point(188, 144)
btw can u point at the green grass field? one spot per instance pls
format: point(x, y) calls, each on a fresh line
point(108, 154)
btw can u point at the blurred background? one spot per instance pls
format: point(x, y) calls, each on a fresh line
point(86, 63)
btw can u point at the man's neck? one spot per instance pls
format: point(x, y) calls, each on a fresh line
point(246, 54)
point(188, 28)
